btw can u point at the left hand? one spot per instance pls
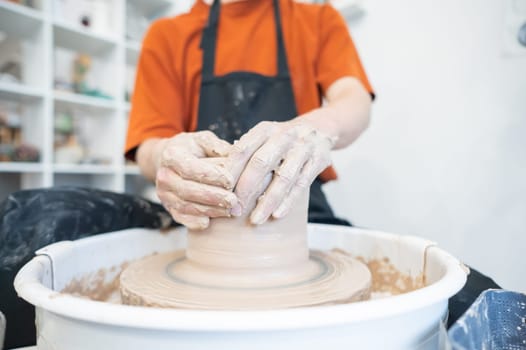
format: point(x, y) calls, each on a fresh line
point(275, 162)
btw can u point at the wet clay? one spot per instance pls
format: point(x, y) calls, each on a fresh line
point(235, 265)
point(387, 280)
point(333, 281)
point(102, 285)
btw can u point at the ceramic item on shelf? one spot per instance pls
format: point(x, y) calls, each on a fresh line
point(26, 153)
point(80, 69)
point(13, 148)
point(70, 153)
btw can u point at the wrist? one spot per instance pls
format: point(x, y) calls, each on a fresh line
point(149, 157)
point(158, 148)
point(320, 121)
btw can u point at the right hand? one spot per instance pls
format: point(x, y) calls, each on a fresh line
point(192, 181)
point(275, 163)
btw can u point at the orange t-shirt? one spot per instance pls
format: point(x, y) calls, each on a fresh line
point(165, 99)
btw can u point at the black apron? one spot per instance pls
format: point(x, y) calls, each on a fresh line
point(232, 104)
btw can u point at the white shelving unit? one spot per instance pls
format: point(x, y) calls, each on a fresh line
point(71, 100)
point(20, 92)
point(41, 31)
point(20, 19)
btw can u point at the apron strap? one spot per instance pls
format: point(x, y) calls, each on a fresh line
point(209, 41)
point(283, 68)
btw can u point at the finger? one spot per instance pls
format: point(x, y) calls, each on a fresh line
point(258, 194)
point(192, 222)
point(171, 200)
point(284, 179)
point(168, 180)
point(212, 145)
point(264, 160)
point(192, 168)
point(310, 171)
point(249, 143)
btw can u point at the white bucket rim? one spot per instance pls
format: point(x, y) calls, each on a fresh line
point(29, 287)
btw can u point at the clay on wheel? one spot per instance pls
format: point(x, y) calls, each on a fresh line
point(237, 266)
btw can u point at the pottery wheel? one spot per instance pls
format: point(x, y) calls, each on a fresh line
point(236, 266)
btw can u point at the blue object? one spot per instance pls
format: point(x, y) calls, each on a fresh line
point(495, 321)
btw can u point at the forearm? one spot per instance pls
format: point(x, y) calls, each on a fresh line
point(147, 157)
point(346, 115)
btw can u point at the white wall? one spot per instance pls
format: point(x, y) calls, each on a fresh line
point(445, 156)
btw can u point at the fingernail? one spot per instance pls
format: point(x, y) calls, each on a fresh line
point(229, 181)
point(230, 200)
point(236, 210)
point(257, 218)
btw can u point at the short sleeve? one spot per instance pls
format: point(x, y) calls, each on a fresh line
point(337, 56)
point(157, 109)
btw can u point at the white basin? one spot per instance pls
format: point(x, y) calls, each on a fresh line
point(408, 321)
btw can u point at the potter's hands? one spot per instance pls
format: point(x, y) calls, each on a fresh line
point(191, 184)
point(281, 159)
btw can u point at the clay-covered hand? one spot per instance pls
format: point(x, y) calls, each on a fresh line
point(191, 180)
point(275, 162)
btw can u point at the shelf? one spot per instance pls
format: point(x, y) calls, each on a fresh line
point(71, 100)
point(19, 92)
point(83, 169)
point(81, 40)
point(132, 170)
point(151, 7)
point(133, 49)
point(19, 20)
point(20, 167)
